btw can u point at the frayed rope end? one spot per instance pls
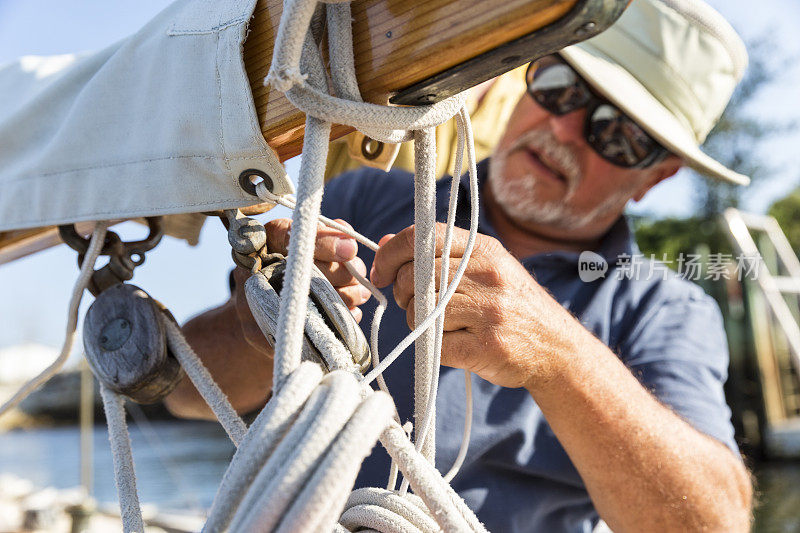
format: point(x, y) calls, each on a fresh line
point(283, 79)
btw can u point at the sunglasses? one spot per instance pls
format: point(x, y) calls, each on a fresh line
point(555, 86)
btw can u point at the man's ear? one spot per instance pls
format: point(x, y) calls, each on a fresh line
point(658, 173)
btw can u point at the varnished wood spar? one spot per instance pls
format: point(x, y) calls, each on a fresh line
point(19, 243)
point(397, 43)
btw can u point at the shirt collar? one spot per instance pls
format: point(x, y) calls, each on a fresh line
point(616, 242)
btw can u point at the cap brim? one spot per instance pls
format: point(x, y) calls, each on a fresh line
point(625, 91)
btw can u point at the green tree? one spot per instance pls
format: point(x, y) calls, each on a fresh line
point(787, 212)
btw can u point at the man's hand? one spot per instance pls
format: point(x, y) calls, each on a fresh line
point(333, 249)
point(500, 323)
point(239, 358)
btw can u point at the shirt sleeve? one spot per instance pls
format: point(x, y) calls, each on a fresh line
point(678, 351)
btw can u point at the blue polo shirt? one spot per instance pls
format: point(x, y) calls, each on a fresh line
point(517, 477)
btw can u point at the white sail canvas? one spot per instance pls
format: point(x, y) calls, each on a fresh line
point(162, 122)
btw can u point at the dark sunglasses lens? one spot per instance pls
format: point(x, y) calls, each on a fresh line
point(557, 88)
point(618, 138)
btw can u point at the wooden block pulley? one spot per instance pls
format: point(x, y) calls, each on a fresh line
point(126, 345)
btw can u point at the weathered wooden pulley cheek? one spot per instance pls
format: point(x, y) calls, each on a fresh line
point(125, 343)
point(263, 295)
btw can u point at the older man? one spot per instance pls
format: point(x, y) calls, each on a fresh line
point(598, 398)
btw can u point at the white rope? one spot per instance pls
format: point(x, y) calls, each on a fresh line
point(281, 479)
point(424, 279)
point(119, 438)
point(390, 508)
point(429, 420)
point(301, 455)
point(290, 202)
point(201, 378)
point(377, 316)
point(465, 138)
point(87, 269)
point(448, 293)
point(462, 450)
point(261, 440)
point(297, 281)
point(447, 507)
point(124, 471)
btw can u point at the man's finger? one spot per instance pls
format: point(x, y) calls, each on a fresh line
point(460, 349)
point(278, 234)
point(354, 295)
point(461, 312)
point(331, 245)
point(399, 250)
point(338, 274)
point(403, 287)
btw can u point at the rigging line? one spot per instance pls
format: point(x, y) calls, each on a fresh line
point(429, 418)
point(122, 456)
point(265, 194)
point(376, 319)
point(87, 269)
point(430, 414)
point(201, 378)
point(463, 120)
point(289, 201)
point(451, 289)
point(465, 137)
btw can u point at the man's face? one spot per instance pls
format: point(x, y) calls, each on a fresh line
point(546, 178)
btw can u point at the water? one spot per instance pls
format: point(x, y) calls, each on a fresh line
point(180, 464)
point(778, 493)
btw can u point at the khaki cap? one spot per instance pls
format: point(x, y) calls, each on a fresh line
point(672, 66)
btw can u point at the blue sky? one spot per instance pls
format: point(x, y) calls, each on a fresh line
point(34, 291)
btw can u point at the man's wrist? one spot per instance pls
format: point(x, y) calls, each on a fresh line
point(564, 363)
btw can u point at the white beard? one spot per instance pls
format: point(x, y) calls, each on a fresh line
point(519, 197)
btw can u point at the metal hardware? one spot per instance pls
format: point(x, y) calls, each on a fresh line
point(370, 148)
point(586, 19)
point(246, 183)
point(124, 257)
point(248, 240)
point(246, 235)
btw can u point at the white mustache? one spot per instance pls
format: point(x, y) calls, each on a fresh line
point(562, 157)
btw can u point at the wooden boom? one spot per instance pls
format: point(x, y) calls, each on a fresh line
point(406, 51)
point(396, 43)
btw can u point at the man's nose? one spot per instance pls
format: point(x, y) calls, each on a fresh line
point(568, 129)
